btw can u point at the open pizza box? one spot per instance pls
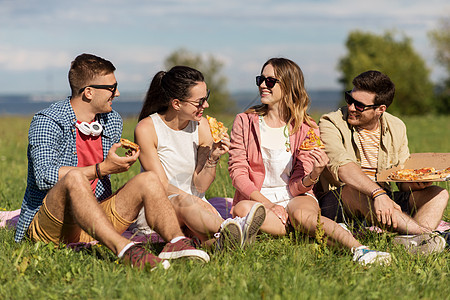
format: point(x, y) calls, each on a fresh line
point(438, 161)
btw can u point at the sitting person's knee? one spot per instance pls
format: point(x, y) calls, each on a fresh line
point(241, 209)
point(305, 218)
point(75, 178)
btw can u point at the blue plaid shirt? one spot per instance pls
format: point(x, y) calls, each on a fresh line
point(51, 145)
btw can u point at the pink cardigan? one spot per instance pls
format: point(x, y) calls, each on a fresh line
point(245, 164)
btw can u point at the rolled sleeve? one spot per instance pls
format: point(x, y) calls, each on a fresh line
point(336, 143)
point(238, 165)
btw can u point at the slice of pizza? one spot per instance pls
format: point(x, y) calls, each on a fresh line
point(129, 144)
point(218, 130)
point(311, 141)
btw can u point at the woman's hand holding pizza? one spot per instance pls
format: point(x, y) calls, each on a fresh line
point(320, 160)
point(221, 147)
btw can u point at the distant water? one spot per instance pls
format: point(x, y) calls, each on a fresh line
point(130, 105)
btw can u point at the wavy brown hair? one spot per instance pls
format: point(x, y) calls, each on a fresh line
point(294, 98)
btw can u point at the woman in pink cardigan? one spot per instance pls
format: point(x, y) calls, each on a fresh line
point(267, 166)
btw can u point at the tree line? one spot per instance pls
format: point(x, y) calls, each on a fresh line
point(391, 53)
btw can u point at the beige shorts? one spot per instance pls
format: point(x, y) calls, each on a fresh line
point(45, 227)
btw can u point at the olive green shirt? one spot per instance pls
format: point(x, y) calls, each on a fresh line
point(341, 139)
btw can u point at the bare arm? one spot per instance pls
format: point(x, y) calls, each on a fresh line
point(208, 155)
point(384, 206)
point(112, 164)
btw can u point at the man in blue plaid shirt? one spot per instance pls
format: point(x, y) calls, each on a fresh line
point(71, 154)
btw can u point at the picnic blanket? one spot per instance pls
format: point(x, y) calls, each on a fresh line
point(223, 205)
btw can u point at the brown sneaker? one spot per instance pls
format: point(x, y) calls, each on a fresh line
point(183, 248)
point(138, 257)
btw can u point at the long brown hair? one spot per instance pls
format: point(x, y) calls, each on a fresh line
point(294, 97)
point(166, 86)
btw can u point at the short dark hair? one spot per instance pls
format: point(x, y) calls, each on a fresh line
point(377, 83)
point(85, 68)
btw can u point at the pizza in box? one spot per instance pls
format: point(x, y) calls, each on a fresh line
point(422, 174)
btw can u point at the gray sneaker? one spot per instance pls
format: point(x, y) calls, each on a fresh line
point(230, 235)
point(425, 243)
point(251, 223)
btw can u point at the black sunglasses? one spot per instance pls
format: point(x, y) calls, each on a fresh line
point(270, 81)
point(112, 88)
point(200, 102)
point(358, 105)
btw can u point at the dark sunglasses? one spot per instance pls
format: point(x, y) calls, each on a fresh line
point(358, 105)
point(200, 102)
point(270, 81)
point(112, 88)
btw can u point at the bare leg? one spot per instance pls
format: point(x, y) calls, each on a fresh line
point(430, 204)
point(71, 201)
point(200, 217)
point(357, 203)
point(303, 211)
point(145, 189)
point(272, 224)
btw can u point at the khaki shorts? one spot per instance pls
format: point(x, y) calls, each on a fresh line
point(45, 227)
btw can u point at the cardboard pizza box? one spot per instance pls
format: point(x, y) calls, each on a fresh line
point(438, 161)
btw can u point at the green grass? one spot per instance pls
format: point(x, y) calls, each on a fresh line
point(271, 268)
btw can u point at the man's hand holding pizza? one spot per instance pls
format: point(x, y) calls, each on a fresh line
point(114, 164)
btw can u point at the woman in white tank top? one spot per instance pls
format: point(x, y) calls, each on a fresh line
point(176, 144)
point(267, 166)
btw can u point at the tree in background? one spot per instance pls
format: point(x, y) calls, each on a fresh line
point(220, 100)
point(440, 38)
point(397, 59)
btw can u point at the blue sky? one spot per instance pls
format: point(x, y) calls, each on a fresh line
point(39, 38)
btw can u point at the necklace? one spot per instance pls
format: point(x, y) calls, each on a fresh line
point(286, 135)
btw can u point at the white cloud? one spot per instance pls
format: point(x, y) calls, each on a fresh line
point(19, 59)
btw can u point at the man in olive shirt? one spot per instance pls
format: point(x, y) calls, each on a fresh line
point(362, 139)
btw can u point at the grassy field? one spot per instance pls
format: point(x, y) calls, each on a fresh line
point(283, 268)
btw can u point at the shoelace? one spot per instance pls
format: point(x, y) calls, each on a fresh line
point(136, 253)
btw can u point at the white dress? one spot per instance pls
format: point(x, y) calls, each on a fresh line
point(277, 163)
point(177, 152)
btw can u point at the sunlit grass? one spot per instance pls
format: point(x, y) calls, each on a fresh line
point(283, 268)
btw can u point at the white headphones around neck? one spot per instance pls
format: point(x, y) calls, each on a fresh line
point(94, 128)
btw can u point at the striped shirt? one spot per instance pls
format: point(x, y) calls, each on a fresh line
point(368, 145)
point(52, 145)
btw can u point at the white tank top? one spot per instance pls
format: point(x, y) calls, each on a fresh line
point(177, 152)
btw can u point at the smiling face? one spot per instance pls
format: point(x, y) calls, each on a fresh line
point(367, 119)
point(270, 96)
point(100, 98)
point(190, 106)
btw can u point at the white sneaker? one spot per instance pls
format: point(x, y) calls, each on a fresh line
point(365, 256)
point(251, 223)
point(426, 243)
point(230, 235)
